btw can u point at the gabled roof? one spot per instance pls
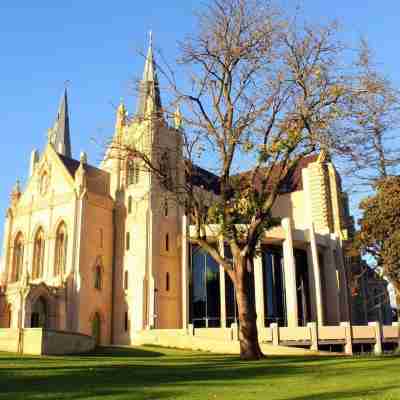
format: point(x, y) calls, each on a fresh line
point(98, 180)
point(209, 181)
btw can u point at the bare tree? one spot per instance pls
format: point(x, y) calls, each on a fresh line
point(263, 92)
point(375, 117)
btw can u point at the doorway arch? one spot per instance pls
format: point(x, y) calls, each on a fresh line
point(39, 313)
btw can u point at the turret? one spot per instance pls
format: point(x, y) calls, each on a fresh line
point(33, 162)
point(16, 194)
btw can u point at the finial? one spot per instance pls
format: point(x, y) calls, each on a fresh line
point(150, 38)
point(178, 118)
point(66, 84)
point(17, 187)
point(83, 158)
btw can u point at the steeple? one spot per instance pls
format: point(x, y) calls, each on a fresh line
point(59, 135)
point(149, 90)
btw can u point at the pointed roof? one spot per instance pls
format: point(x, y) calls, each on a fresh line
point(149, 90)
point(60, 135)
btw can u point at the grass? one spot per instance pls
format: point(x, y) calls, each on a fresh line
point(159, 374)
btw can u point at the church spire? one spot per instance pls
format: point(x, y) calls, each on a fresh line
point(59, 135)
point(149, 90)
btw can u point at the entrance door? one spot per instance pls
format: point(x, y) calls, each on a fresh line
point(39, 314)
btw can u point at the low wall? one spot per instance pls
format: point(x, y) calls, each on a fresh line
point(9, 339)
point(273, 340)
point(59, 342)
point(197, 339)
point(38, 341)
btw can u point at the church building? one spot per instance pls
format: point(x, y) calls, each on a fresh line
point(103, 251)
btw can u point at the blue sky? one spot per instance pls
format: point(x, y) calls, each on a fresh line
point(94, 44)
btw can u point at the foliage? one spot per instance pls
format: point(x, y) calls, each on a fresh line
point(379, 235)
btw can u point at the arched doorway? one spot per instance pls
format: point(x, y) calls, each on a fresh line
point(39, 314)
point(96, 328)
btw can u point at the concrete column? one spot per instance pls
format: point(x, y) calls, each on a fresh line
point(378, 337)
point(259, 290)
point(185, 273)
point(275, 333)
point(348, 347)
point(314, 335)
point(290, 275)
point(313, 250)
point(222, 286)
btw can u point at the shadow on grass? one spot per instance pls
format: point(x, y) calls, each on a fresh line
point(156, 373)
point(350, 394)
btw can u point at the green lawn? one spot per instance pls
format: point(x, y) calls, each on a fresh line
point(155, 373)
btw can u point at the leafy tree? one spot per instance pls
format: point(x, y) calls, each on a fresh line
point(379, 235)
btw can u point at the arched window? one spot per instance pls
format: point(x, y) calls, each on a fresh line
point(167, 242)
point(97, 277)
point(38, 255)
point(44, 183)
point(61, 250)
point(133, 172)
point(18, 259)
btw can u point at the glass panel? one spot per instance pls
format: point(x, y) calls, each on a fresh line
point(213, 303)
point(303, 293)
point(199, 292)
point(274, 290)
point(205, 309)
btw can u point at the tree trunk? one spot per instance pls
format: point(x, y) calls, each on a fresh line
point(248, 332)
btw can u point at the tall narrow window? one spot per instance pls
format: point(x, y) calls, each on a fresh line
point(61, 250)
point(126, 280)
point(126, 321)
point(129, 204)
point(167, 282)
point(167, 242)
point(97, 277)
point(166, 210)
point(18, 259)
point(165, 167)
point(101, 238)
point(38, 255)
point(133, 172)
point(128, 241)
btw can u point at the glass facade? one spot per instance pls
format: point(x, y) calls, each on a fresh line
point(303, 289)
point(204, 287)
point(274, 286)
